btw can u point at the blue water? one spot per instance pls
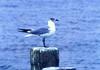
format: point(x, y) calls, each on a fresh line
point(77, 36)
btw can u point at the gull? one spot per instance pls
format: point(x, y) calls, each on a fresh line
point(42, 32)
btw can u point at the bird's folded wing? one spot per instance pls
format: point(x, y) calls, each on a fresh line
point(40, 31)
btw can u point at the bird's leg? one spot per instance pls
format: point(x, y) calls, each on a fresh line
point(44, 42)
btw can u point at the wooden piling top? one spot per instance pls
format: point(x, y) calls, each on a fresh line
point(44, 49)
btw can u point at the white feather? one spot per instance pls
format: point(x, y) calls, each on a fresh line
point(28, 35)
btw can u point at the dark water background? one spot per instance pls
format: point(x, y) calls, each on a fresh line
point(77, 36)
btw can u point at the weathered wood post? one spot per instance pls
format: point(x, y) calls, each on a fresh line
point(59, 68)
point(41, 57)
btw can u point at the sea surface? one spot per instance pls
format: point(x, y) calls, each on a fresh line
point(77, 35)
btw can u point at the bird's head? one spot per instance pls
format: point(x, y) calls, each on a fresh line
point(53, 19)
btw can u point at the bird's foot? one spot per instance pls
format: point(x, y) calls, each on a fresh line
point(45, 46)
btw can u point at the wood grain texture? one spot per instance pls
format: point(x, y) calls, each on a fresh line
point(41, 57)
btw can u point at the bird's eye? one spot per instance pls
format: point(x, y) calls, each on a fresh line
point(57, 20)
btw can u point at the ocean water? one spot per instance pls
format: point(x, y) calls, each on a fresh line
point(77, 35)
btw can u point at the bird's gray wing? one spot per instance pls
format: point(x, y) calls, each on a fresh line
point(40, 31)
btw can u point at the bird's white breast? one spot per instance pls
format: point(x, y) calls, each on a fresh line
point(51, 27)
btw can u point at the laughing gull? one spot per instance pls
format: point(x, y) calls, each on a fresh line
point(42, 32)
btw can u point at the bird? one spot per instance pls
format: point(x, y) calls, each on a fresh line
point(42, 32)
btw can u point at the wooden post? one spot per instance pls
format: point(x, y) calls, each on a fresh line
point(41, 57)
point(59, 68)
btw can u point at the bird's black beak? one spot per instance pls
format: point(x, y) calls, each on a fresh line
point(57, 20)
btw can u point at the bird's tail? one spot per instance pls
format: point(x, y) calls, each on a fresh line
point(24, 30)
point(29, 35)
